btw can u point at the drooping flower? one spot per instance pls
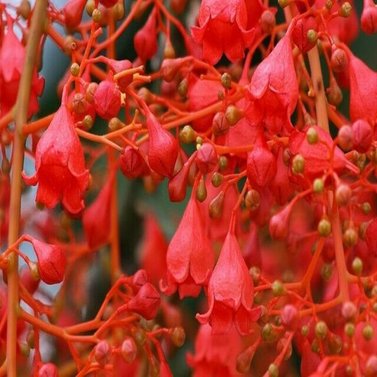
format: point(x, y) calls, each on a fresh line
point(153, 249)
point(51, 261)
point(222, 29)
point(146, 302)
point(107, 99)
point(60, 167)
point(163, 147)
point(318, 156)
point(230, 291)
point(202, 93)
point(189, 257)
point(369, 17)
point(96, 218)
point(274, 89)
point(261, 165)
point(132, 163)
point(363, 83)
point(145, 40)
point(12, 58)
point(215, 354)
point(73, 12)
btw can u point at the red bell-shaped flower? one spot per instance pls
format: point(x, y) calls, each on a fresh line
point(230, 291)
point(274, 89)
point(163, 147)
point(145, 40)
point(261, 165)
point(189, 257)
point(12, 59)
point(146, 302)
point(222, 29)
point(363, 83)
point(107, 99)
point(96, 218)
point(60, 166)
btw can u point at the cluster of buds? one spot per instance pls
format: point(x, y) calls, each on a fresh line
point(225, 105)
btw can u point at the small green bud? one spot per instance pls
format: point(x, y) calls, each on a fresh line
point(312, 135)
point(321, 330)
point(324, 228)
point(318, 185)
point(278, 288)
point(298, 164)
point(357, 266)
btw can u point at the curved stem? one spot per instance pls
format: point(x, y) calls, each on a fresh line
point(21, 109)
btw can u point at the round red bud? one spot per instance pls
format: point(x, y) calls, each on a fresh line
point(128, 350)
point(102, 352)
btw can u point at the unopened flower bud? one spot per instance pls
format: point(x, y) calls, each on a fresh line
point(318, 185)
point(350, 237)
point(371, 366)
point(96, 15)
point(273, 369)
point(102, 352)
point(349, 310)
point(349, 329)
point(128, 350)
point(233, 114)
point(48, 370)
point(220, 124)
point(312, 36)
point(312, 135)
point(345, 10)
point(267, 21)
point(343, 194)
point(178, 336)
point(278, 288)
point(290, 317)
point(334, 93)
point(226, 80)
point(217, 179)
point(368, 332)
point(187, 135)
point(298, 164)
point(252, 200)
point(201, 191)
point(357, 266)
point(321, 329)
point(217, 205)
point(338, 60)
point(324, 228)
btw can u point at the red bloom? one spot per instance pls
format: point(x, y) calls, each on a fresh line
point(363, 83)
point(107, 99)
point(153, 250)
point(261, 165)
point(146, 302)
point(51, 261)
point(222, 29)
point(230, 291)
point(133, 164)
point(145, 40)
point(60, 165)
point(274, 89)
point(96, 218)
point(73, 12)
point(369, 17)
point(202, 93)
point(317, 156)
point(189, 257)
point(163, 147)
point(215, 354)
point(12, 57)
